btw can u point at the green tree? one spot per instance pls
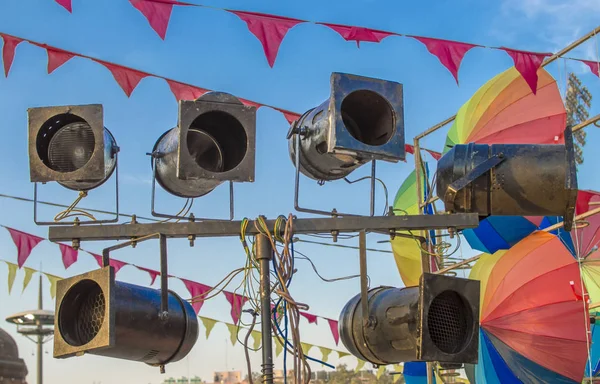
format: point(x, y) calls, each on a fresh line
point(578, 101)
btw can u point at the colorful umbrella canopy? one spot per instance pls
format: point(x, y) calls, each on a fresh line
point(504, 110)
point(592, 367)
point(533, 318)
point(416, 373)
point(500, 232)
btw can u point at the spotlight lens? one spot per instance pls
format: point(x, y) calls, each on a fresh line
point(82, 313)
point(205, 150)
point(368, 117)
point(448, 321)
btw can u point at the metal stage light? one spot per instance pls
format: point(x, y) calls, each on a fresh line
point(510, 179)
point(219, 133)
point(361, 121)
point(97, 315)
point(436, 321)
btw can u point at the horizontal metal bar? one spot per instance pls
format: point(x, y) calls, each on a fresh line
point(232, 228)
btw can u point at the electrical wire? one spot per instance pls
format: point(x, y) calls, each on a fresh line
point(71, 211)
point(304, 257)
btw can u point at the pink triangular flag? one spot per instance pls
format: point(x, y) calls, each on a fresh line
point(8, 51)
point(250, 103)
point(183, 91)
point(527, 63)
point(157, 12)
point(358, 34)
point(312, 319)
point(449, 53)
point(116, 264)
point(268, 29)
point(153, 274)
point(594, 66)
point(25, 243)
point(57, 57)
point(127, 78)
point(289, 116)
point(237, 302)
point(435, 155)
point(333, 325)
point(66, 4)
point(196, 289)
point(69, 255)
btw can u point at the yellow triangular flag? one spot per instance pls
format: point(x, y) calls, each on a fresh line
point(209, 324)
point(52, 279)
point(232, 332)
point(12, 273)
point(325, 352)
point(28, 274)
point(380, 371)
point(278, 347)
point(257, 337)
point(342, 354)
point(306, 347)
point(398, 368)
point(360, 365)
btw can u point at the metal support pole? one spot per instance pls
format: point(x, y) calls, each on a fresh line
point(364, 286)
point(40, 339)
point(264, 254)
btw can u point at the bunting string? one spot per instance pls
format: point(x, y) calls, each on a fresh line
point(270, 30)
point(129, 78)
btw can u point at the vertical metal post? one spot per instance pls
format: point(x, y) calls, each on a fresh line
point(40, 339)
point(164, 276)
point(364, 288)
point(264, 253)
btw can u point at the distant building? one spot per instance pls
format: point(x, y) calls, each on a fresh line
point(230, 377)
point(12, 369)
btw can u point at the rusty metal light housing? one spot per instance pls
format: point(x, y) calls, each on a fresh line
point(70, 145)
point(219, 133)
point(436, 321)
point(362, 120)
point(97, 315)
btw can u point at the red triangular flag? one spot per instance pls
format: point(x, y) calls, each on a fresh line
point(333, 325)
point(269, 29)
point(594, 66)
point(8, 51)
point(127, 78)
point(116, 264)
point(157, 12)
point(312, 319)
point(449, 53)
point(57, 57)
point(527, 63)
point(184, 91)
point(435, 155)
point(289, 116)
point(69, 255)
point(66, 4)
point(237, 302)
point(409, 148)
point(250, 103)
point(358, 34)
point(196, 289)
point(153, 274)
point(25, 242)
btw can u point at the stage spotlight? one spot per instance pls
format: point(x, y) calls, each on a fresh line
point(510, 179)
point(362, 120)
point(218, 134)
point(436, 321)
point(70, 145)
point(97, 315)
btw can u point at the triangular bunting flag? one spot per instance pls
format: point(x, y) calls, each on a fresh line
point(185, 92)
point(342, 354)
point(380, 371)
point(12, 273)
point(268, 29)
point(28, 275)
point(237, 302)
point(278, 347)
point(127, 78)
point(435, 155)
point(116, 264)
point(527, 63)
point(232, 332)
point(311, 318)
point(56, 58)
point(290, 116)
point(153, 274)
point(325, 352)
point(409, 148)
point(52, 279)
point(358, 34)
point(8, 51)
point(333, 325)
point(209, 324)
point(157, 12)
point(257, 337)
point(69, 255)
point(250, 103)
point(449, 53)
point(305, 347)
point(197, 291)
point(360, 365)
point(66, 4)
point(25, 242)
point(594, 66)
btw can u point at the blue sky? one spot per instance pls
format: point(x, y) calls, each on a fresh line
point(214, 49)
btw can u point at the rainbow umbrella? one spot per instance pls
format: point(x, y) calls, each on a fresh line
point(416, 373)
point(533, 318)
point(592, 367)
